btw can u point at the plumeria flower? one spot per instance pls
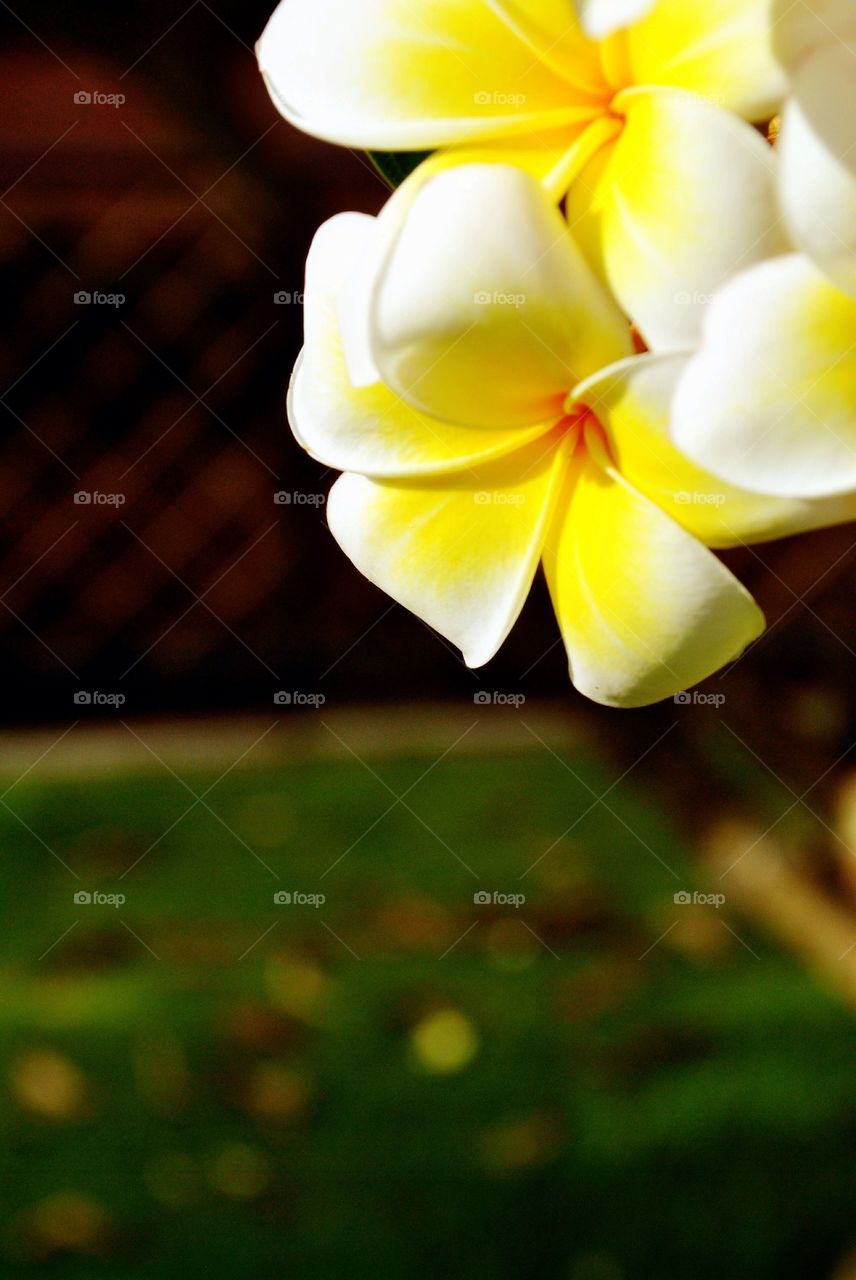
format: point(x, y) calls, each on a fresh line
point(506, 423)
point(769, 400)
point(669, 191)
point(816, 40)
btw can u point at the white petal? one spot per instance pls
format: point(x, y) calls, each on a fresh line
point(818, 158)
point(461, 551)
point(486, 312)
point(402, 74)
point(367, 428)
point(769, 401)
point(685, 198)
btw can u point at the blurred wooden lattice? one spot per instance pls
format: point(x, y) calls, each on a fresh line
point(172, 400)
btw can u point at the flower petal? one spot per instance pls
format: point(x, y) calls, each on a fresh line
point(685, 198)
point(394, 74)
point(601, 17)
point(551, 158)
point(486, 312)
point(367, 428)
point(818, 160)
point(460, 552)
point(800, 27)
point(548, 156)
point(769, 401)
point(721, 49)
point(645, 610)
point(633, 400)
point(552, 30)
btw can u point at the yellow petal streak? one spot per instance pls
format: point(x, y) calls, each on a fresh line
point(645, 610)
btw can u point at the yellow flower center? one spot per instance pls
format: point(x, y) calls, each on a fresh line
point(615, 62)
point(606, 72)
point(589, 434)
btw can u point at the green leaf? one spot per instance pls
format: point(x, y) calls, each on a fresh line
point(395, 166)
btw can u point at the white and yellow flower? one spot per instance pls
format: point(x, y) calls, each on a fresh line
point(816, 40)
point(769, 400)
point(507, 423)
point(669, 191)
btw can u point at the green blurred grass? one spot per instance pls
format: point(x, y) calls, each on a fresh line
point(250, 1102)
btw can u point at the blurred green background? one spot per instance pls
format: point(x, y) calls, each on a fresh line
point(597, 1083)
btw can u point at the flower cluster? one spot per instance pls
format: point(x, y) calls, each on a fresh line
point(604, 326)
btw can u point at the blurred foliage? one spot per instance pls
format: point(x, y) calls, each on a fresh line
point(395, 166)
point(596, 1085)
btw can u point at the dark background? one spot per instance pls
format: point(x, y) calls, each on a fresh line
point(198, 203)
